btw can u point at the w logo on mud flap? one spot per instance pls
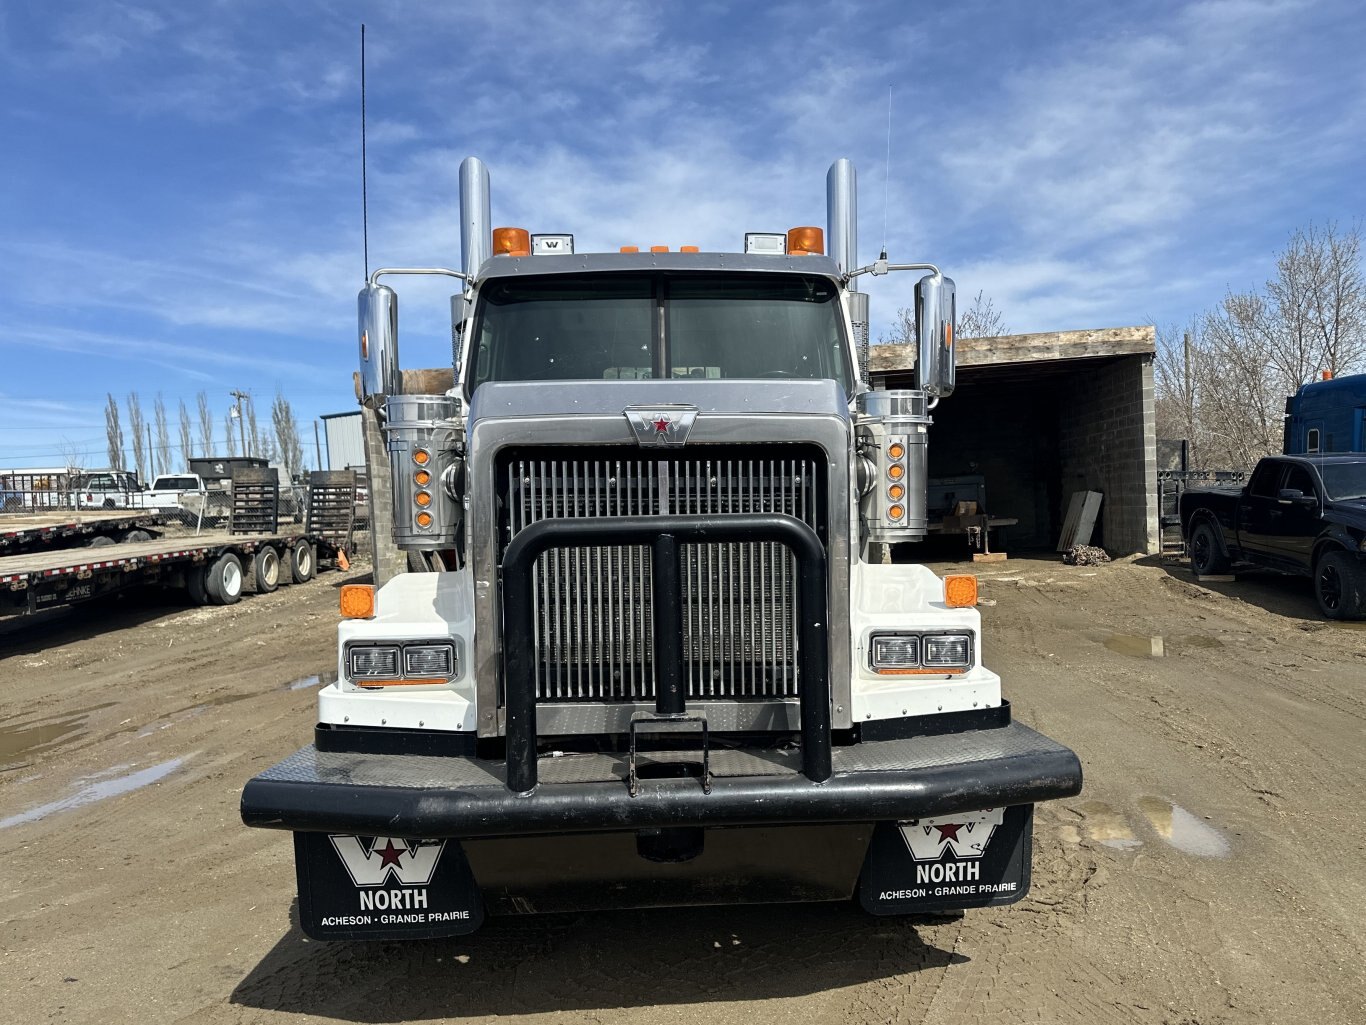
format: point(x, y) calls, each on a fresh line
point(408, 862)
point(966, 834)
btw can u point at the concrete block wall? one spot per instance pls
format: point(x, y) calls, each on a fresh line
point(1107, 442)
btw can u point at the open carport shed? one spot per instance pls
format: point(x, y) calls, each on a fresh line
point(1041, 416)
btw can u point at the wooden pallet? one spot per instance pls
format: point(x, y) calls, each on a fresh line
point(255, 502)
point(332, 506)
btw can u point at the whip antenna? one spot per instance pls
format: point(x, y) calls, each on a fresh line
point(364, 196)
point(887, 173)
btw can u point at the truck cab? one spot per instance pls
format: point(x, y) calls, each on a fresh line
point(664, 660)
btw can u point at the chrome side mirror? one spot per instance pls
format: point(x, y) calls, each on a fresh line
point(377, 306)
point(936, 312)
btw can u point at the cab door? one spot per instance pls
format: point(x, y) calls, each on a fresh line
point(1294, 525)
point(1259, 511)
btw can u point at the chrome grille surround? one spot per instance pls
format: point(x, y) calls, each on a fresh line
point(584, 420)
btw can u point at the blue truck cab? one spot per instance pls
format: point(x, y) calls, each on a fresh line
point(1327, 416)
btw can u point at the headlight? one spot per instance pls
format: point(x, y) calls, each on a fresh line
point(373, 663)
point(431, 661)
point(948, 651)
point(930, 654)
point(892, 652)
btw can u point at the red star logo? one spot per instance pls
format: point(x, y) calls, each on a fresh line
point(662, 425)
point(389, 855)
point(949, 832)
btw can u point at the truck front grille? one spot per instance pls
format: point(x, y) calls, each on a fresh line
point(593, 616)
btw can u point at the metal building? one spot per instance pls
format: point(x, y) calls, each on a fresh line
point(344, 440)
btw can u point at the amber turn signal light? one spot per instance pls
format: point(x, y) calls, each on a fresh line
point(357, 601)
point(960, 592)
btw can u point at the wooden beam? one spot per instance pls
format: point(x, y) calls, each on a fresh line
point(1033, 348)
point(435, 381)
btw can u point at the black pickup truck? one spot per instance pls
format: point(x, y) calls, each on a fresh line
point(1304, 515)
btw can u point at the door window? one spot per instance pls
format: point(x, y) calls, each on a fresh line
point(1297, 478)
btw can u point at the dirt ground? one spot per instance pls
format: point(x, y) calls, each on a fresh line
point(1213, 870)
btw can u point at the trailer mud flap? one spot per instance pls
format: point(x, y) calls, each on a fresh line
point(384, 888)
point(969, 860)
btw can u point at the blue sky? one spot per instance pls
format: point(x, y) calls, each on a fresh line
point(181, 195)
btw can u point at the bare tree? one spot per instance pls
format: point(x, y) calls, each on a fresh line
point(230, 433)
point(254, 446)
point(206, 425)
point(113, 433)
point(287, 435)
point(981, 319)
point(186, 435)
point(137, 427)
point(163, 435)
point(1224, 386)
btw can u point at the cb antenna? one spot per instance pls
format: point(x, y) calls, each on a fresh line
point(364, 196)
point(887, 175)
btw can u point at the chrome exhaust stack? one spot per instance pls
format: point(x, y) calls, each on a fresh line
point(841, 219)
point(476, 216)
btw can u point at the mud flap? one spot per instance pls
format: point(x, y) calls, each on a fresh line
point(384, 888)
point(969, 860)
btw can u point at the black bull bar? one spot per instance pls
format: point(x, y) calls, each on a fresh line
point(664, 534)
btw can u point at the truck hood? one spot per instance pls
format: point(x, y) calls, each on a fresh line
point(540, 399)
point(1349, 513)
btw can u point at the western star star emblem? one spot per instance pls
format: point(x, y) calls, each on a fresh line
point(389, 855)
point(659, 426)
point(949, 831)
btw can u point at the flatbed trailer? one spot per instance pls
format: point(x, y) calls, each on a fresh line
point(214, 569)
point(69, 528)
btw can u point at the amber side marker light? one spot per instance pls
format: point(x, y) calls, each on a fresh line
point(416, 682)
point(357, 601)
point(960, 592)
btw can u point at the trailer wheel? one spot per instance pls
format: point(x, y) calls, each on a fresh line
point(137, 535)
point(302, 562)
point(223, 580)
point(195, 579)
point(267, 570)
point(100, 541)
point(1340, 585)
point(1207, 559)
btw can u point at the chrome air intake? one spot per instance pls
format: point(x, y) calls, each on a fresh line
point(893, 432)
point(423, 432)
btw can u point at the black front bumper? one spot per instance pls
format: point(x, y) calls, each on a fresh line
point(421, 796)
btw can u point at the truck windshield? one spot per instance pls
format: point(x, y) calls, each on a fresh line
point(1342, 481)
point(633, 326)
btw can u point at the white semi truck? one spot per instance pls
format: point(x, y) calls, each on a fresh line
point(665, 661)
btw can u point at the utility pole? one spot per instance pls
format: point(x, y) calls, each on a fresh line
point(241, 418)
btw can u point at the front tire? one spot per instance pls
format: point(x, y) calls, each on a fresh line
point(1207, 557)
point(223, 580)
point(1340, 585)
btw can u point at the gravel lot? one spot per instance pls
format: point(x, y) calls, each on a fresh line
point(1213, 870)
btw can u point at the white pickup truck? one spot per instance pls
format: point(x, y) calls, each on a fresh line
point(175, 491)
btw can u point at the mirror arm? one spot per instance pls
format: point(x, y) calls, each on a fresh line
point(374, 278)
point(881, 267)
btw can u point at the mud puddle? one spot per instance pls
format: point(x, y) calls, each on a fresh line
point(20, 742)
point(322, 679)
point(97, 788)
point(1185, 831)
point(1108, 827)
point(1158, 645)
